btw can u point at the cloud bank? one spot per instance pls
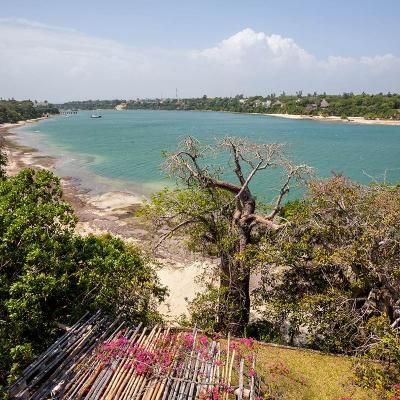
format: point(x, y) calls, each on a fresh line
point(46, 62)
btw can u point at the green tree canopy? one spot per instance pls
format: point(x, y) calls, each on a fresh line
point(339, 261)
point(49, 274)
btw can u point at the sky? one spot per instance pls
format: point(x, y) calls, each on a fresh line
point(66, 50)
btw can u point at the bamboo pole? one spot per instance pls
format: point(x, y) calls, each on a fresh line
point(29, 370)
point(96, 367)
point(98, 387)
point(58, 353)
point(152, 394)
point(130, 376)
point(169, 380)
point(79, 347)
point(209, 367)
point(202, 368)
point(218, 368)
point(251, 396)
point(133, 384)
point(115, 366)
point(141, 386)
point(120, 375)
point(194, 376)
point(189, 366)
point(240, 395)
point(164, 387)
point(152, 380)
point(79, 380)
point(225, 371)
point(230, 374)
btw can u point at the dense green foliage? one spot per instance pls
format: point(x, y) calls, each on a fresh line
point(90, 104)
point(370, 106)
point(207, 213)
point(13, 111)
point(346, 105)
point(341, 255)
point(331, 277)
point(49, 274)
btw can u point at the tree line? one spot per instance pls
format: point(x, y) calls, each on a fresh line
point(12, 111)
point(371, 106)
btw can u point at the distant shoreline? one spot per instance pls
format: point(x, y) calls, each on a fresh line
point(315, 118)
point(351, 120)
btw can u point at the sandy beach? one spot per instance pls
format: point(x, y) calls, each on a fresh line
point(351, 120)
point(114, 212)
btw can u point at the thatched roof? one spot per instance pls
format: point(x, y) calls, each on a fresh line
point(324, 104)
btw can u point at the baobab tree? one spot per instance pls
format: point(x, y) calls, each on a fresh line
point(219, 215)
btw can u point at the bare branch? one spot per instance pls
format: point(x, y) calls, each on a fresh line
point(171, 231)
point(297, 172)
point(255, 219)
point(236, 155)
point(249, 178)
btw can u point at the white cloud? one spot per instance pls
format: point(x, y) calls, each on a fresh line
point(41, 61)
point(246, 44)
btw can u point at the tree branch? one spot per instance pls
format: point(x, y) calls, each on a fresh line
point(249, 178)
point(255, 219)
point(238, 167)
point(171, 231)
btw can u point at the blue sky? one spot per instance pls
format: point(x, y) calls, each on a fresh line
point(350, 29)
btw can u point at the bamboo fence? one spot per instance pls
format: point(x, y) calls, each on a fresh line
point(103, 359)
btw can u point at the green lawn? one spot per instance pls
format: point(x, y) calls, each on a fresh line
point(297, 374)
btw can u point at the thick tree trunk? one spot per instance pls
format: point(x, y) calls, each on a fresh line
point(234, 299)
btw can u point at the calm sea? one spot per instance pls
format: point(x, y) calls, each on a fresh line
point(123, 150)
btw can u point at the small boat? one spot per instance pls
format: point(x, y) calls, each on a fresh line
point(36, 131)
point(95, 116)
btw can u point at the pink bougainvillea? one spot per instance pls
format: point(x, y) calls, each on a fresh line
point(173, 353)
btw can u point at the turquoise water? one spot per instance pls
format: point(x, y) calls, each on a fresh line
point(122, 150)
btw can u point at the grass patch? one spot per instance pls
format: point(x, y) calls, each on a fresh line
point(297, 374)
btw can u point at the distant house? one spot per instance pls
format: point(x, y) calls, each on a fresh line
point(311, 107)
point(242, 101)
point(324, 104)
point(278, 103)
point(37, 104)
point(267, 103)
point(121, 106)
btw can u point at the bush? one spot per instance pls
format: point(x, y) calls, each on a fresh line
point(49, 274)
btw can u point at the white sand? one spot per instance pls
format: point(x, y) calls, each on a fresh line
point(114, 201)
point(287, 116)
point(180, 280)
point(354, 120)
